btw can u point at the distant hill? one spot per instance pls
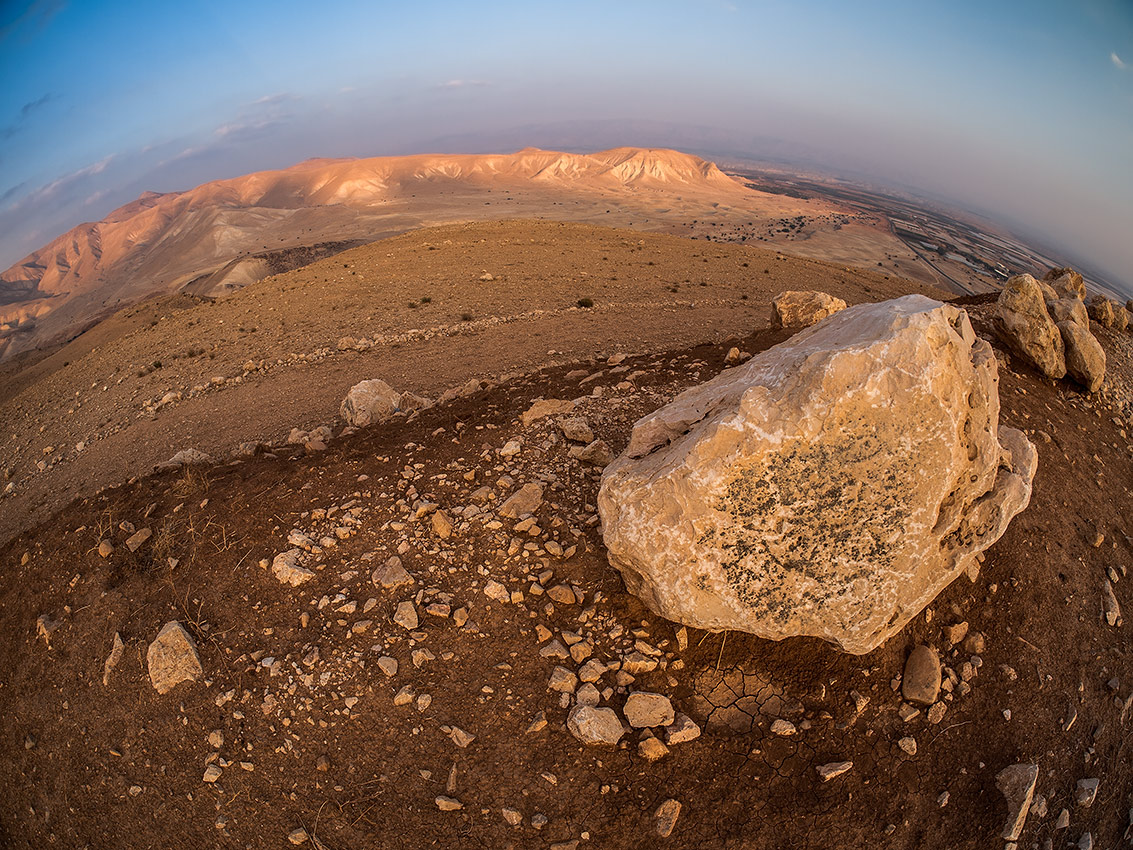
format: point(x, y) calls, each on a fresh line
point(161, 242)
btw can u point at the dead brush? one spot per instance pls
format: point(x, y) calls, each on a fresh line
point(102, 528)
point(191, 482)
point(165, 542)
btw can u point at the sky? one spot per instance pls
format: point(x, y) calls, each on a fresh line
point(1019, 109)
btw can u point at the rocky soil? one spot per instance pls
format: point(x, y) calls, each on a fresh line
point(437, 654)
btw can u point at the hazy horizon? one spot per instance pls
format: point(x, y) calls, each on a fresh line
point(1024, 114)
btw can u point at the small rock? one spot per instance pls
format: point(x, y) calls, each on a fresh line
point(494, 590)
point(116, 650)
point(391, 574)
point(172, 658)
point(212, 774)
point(783, 728)
point(908, 745)
point(683, 729)
point(525, 500)
point(665, 818)
point(956, 633)
point(563, 681)
point(921, 682)
point(834, 768)
point(298, 836)
point(591, 671)
point(1110, 608)
point(461, 738)
point(644, 709)
point(588, 695)
point(105, 549)
point(562, 594)
point(134, 542)
point(1017, 784)
point(404, 696)
point(597, 453)
point(442, 525)
point(513, 817)
point(448, 804)
point(406, 616)
point(285, 567)
point(595, 726)
point(577, 430)
point(651, 749)
point(1087, 792)
point(388, 665)
point(803, 308)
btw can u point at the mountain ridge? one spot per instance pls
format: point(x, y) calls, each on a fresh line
point(160, 241)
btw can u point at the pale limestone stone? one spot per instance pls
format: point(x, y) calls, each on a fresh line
point(544, 408)
point(1068, 309)
point(799, 309)
point(1100, 309)
point(644, 709)
point(285, 567)
point(831, 486)
point(525, 500)
point(369, 402)
point(172, 658)
point(116, 650)
point(665, 818)
point(595, 726)
point(1085, 358)
point(1023, 322)
point(1066, 282)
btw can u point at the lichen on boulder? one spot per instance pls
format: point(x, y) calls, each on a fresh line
point(831, 486)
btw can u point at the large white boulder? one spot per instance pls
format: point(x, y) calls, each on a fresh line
point(373, 401)
point(831, 486)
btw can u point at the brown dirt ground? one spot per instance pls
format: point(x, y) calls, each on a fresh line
point(120, 766)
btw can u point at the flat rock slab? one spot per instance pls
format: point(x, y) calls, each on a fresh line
point(525, 500)
point(546, 407)
point(172, 658)
point(1017, 784)
point(920, 683)
point(831, 486)
point(595, 726)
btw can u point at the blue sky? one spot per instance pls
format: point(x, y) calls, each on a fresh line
point(1020, 109)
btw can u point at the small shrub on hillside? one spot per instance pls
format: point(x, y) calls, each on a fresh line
point(585, 302)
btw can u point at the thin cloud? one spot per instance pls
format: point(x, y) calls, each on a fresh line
point(246, 129)
point(271, 99)
point(1116, 60)
point(26, 111)
point(61, 186)
point(463, 84)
